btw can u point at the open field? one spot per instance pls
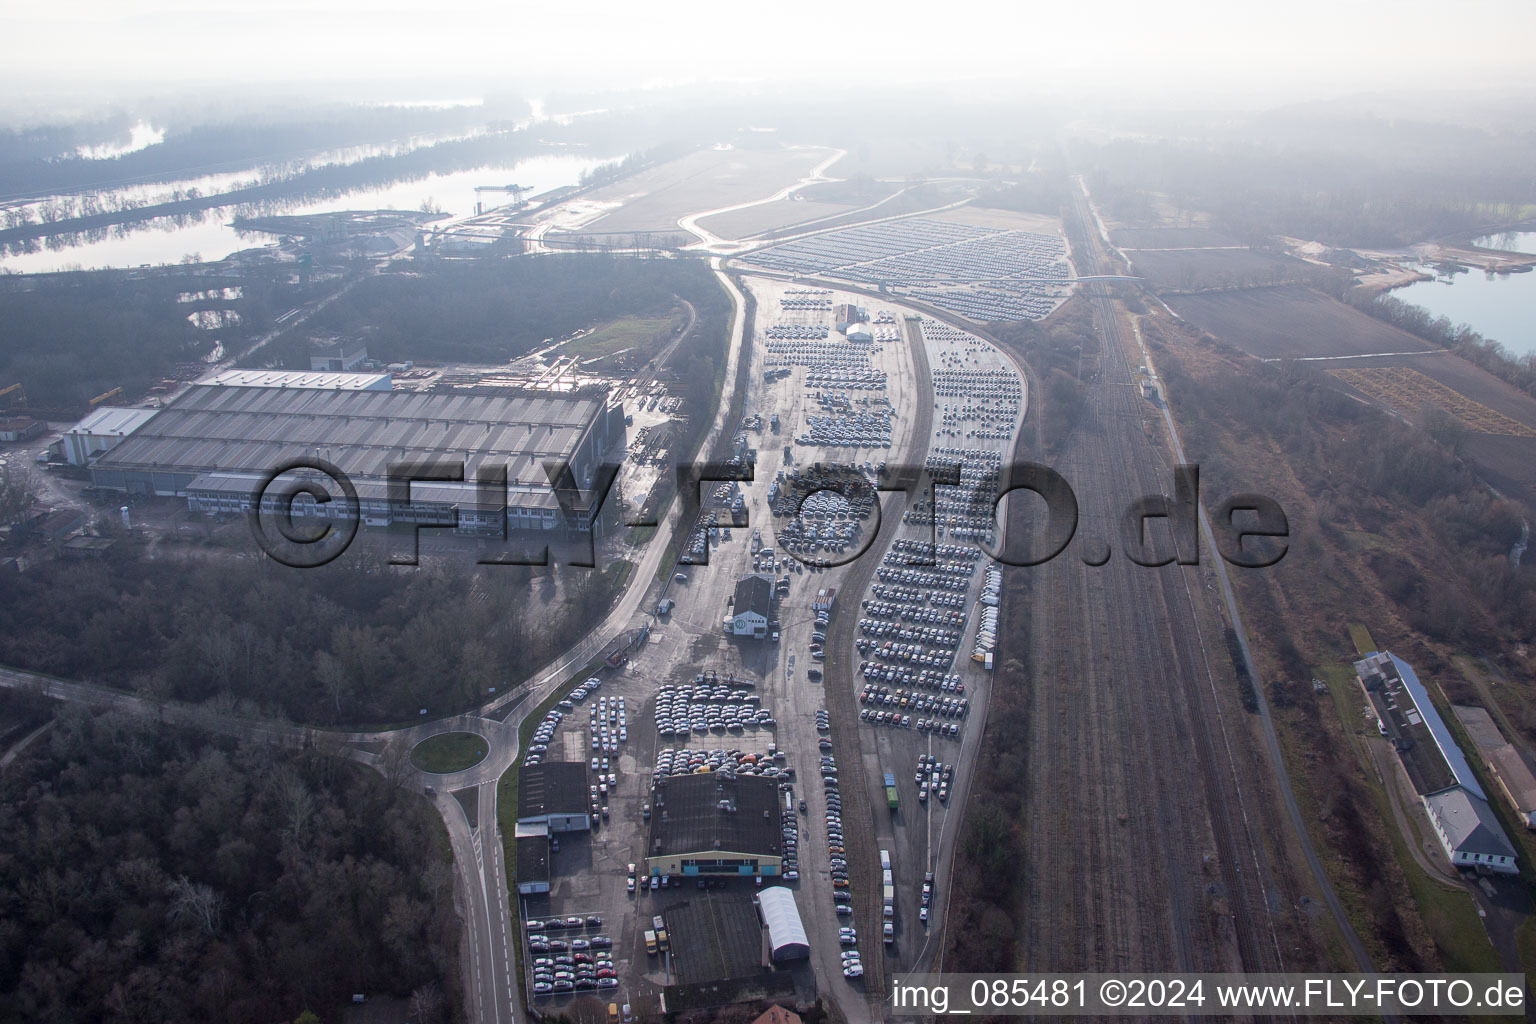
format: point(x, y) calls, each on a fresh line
point(625, 333)
point(655, 199)
point(1199, 269)
point(781, 213)
point(1004, 220)
point(1292, 321)
point(1169, 238)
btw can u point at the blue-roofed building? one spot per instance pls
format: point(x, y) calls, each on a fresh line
point(1409, 718)
point(1466, 826)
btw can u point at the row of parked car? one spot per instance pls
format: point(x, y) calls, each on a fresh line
point(837, 862)
point(905, 675)
point(902, 595)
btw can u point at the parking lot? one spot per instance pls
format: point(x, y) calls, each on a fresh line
point(694, 698)
point(983, 273)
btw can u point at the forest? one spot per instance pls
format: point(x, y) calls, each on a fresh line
point(69, 340)
point(160, 875)
point(494, 310)
point(348, 642)
point(1334, 177)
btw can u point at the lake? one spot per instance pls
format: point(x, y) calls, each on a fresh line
point(1497, 306)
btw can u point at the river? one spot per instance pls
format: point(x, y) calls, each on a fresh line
point(1497, 306)
point(209, 237)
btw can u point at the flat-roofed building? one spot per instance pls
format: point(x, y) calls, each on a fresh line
point(715, 823)
point(217, 445)
point(532, 865)
point(340, 356)
point(1505, 762)
point(21, 428)
point(303, 379)
point(552, 795)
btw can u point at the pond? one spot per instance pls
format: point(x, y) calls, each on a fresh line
point(1497, 306)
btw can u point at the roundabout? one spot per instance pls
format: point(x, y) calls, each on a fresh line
point(449, 752)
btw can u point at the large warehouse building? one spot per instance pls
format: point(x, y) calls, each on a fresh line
point(715, 824)
point(218, 443)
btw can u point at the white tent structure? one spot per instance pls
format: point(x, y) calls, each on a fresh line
point(786, 935)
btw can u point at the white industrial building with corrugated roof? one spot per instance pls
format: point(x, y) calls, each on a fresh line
point(786, 933)
point(101, 431)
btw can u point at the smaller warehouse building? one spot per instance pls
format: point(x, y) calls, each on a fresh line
point(786, 933)
point(21, 428)
point(552, 796)
point(712, 823)
point(344, 356)
point(1470, 833)
point(846, 314)
point(752, 607)
point(1505, 762)
point(102, 431)
point(532, 865)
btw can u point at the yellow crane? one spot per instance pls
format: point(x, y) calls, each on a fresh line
point(16, 397)
point(103, 397)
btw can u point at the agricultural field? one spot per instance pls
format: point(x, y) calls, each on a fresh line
point(1404, 387)
point(1506, 457)
point(1292, 321)
point(1200, 269)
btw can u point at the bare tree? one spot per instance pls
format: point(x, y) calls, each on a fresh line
point(18, 491)
point(427, 1004)
point(195, 903)
point(395, 761)
point(333, 677)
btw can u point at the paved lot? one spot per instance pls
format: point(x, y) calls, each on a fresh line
point(590, 872)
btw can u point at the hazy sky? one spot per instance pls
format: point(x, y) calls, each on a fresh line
point(1063, 45)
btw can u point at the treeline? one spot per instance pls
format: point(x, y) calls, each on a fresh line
point(68, 340)
point(152, 874)
point(1063, 351)
point(494, 310)
point(1519, 371)
point(1339, 179)
point(1044, 192)
point(49, 141)
point(349, 642)
point(193, 146)
point(981, 932)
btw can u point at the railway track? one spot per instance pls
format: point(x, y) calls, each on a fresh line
point(1142, 852)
